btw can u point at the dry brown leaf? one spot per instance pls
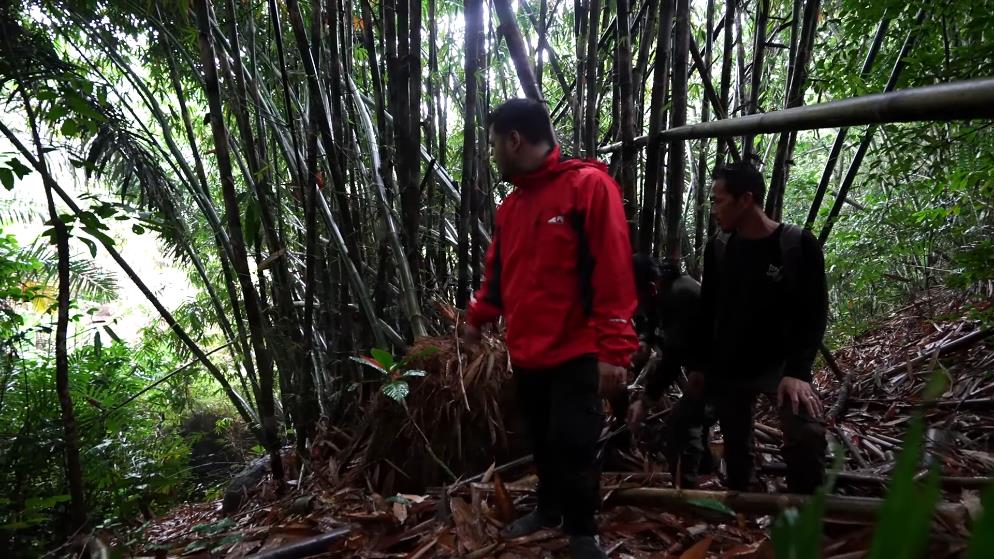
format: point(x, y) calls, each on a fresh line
point(698, 551)
point(467, 528)
point(505, 506)
point(400, 512)
point(757, 550)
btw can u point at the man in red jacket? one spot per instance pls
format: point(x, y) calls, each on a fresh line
point(559, 270)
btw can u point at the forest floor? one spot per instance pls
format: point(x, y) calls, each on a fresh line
point(878, 382)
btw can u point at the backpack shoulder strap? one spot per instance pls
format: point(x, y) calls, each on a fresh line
point(790, 252)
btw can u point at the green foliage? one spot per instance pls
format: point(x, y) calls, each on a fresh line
point(129, 463)
point(395, 374)
point(905, 518)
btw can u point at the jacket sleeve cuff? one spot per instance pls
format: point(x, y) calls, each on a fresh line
point(481, 312)
point(800, 371)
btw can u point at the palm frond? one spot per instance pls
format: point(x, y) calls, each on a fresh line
point(17, 212)
point(87, 280)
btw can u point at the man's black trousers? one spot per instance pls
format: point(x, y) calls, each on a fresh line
point(564, 415)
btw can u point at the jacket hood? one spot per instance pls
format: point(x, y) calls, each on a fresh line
point(553, 166)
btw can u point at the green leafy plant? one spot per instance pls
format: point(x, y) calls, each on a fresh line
point(395, 374)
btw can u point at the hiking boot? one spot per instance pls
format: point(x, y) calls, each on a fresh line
point(528, 524)
point(586, 547)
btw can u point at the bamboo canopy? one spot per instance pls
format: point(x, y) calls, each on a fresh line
point(949, 101)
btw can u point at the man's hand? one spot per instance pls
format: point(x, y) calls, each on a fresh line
point(797, 391)
point(471, 338)
point(612, 378)
point(641, 356)
point(636, 414)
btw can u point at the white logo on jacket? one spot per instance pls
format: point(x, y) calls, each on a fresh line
point(557, 219)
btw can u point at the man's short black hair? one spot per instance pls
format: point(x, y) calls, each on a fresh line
point(669, 269)
point(646, 269)
point(740, 178)
point(527, 116)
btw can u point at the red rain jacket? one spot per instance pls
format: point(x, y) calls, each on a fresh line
point(559, 267)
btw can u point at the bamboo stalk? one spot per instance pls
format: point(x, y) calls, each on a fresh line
point(657, 116)
point(516, 47)
point(678, 117)
point(840, 138)
point(864, 145)
point(800, 54)
point(855, 508)
point(623, 51)
point(250, 297)
point(759, 51)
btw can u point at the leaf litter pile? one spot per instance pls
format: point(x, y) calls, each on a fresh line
point(380, 491)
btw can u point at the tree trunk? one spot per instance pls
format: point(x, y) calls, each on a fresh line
point(794, 98)
point(864, 145)
point(677, 159)
point(700, 218)
point(284, 334)
point(640, 71)
point(759, 50)
point(580, 21)
point(411, 197)
point(274, 16)
point(474, 22)
point(840, 138)
point(726, 71)
point(592, 64)
point(266, 403)
point(74, 468)
point(517, 49)
point(543, 13)
point(657, 116)
point(626, 91)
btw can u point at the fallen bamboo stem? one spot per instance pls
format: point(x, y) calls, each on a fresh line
point(963, 100)
point(977, 403)
point(525, 460)
point(853, 478)
point(306, 548)
point(961, 343)
point(855, 508)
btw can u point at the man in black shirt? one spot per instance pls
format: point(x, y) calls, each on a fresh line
point(764, 308)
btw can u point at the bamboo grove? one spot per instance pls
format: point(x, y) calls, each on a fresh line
point(321, 168)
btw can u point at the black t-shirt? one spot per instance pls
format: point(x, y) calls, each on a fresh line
point(761, 320)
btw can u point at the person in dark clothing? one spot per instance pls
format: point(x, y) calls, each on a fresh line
point(559, 271)
point(669, 308)
point(667, 322)
point(764, 302)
